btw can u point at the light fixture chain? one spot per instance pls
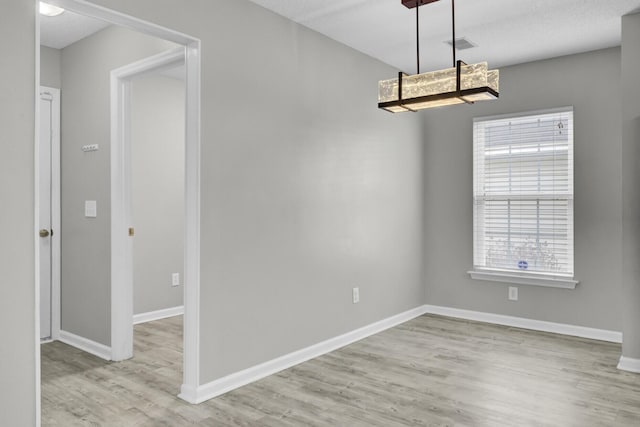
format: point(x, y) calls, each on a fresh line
point(418, 38)
point(453, 29)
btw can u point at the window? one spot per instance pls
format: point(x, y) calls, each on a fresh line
point(523, 197)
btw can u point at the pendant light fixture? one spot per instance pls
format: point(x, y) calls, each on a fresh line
point(461, 84)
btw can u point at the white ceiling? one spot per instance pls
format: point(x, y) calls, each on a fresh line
point(506, 32)
point(60, 31)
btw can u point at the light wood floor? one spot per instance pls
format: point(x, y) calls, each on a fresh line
point(431, 371)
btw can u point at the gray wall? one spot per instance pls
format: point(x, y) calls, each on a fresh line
point(573, 80)
point(50, 67)
point(308, 189)
point(630, 185)
point(85, 285)
point(157, 146)
point(17, 260)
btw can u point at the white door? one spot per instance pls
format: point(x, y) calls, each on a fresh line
point(49, 184)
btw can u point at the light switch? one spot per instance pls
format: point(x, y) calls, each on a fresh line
point(90, 209)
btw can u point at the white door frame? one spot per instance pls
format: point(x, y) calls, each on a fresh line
point(191, 348)
point(55, 207)
point(121, 204)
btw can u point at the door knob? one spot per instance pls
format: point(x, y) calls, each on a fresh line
point(44, 233)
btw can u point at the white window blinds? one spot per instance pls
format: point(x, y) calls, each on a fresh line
point(523, 193)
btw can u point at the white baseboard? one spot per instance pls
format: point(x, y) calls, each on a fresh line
point(189, 394)
point(520, 322)
point(158, 314)
point(629, 364)
point(238, 379)
point(84, 344)
point(223, 385)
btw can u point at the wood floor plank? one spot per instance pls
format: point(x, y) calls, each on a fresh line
point(431, 371)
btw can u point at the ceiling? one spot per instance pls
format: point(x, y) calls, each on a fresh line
point(60, 31)
point(506, 32)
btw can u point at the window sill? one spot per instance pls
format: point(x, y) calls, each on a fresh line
point(535, 280)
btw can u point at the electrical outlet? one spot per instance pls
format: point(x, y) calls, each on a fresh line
point(175, 279)
point(356, 295)
point(513, 293)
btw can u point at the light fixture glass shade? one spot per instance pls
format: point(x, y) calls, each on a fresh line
point(493, 80)
point(434, 104)
point(50, 10)
point(439, 88)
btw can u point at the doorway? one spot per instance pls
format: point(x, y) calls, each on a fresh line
point(49, 213)
point(120, 294)
point(122, 270)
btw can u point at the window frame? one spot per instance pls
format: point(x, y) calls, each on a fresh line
point(524, 277)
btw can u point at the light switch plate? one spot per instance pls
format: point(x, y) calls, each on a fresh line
point(356, 295)
point(90, 209)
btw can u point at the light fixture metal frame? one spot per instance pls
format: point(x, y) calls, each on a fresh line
point(458, 93)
